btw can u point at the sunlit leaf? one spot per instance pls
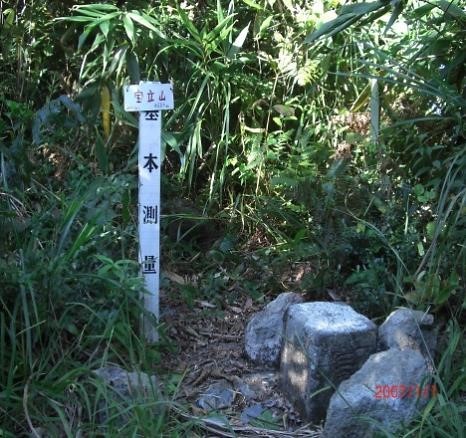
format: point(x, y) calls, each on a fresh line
point(142, 20)
point(89, 13)
point(265, 24)
point(348, 15)
point(221, 30)
point(118, 61)
point(129, 28)
point(238, 43)
point(375, 110)
point(326, 28)
point(79, 19)
point(361, 8)
point(96, 7)
point(105, 28)
point(253, 5)
point(10, 17)
point(362, 99)
point(453, 10)
point(398, 8)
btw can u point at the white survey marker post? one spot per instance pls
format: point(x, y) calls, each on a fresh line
point(149, 99)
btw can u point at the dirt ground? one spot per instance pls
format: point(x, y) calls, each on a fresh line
point(210, 348)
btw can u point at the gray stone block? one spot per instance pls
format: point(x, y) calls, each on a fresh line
point(122, 390)
point(128, 384)
point(263, 336)
point(406, 328)
point(325, 343)
point(361, 405)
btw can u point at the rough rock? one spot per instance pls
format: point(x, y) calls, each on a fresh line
point(325, 343)
point(383, 392)
point(124, 390)
point(406, 328)
point(264, 332)
point(128, 384)
point(257, 386)
point(219, 395)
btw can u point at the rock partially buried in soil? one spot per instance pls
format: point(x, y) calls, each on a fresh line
point(264, 332)
point(128, 384)
point(406, 328)
point(125, 389)
point(325, 343)
point(257, 386)
point(219, 395)
point(363, 401)
point(251, 413)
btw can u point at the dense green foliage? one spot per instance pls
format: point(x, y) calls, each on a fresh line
point(331, 139)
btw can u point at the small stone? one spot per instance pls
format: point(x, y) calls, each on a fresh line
point(406, 328)
point(251, 413)
point(246, 391)
point(257, 386)
point(219, 395)
point(383, 392)
point(264, 332)
point(325, 343)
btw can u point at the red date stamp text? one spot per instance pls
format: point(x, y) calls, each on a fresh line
point(384, 392)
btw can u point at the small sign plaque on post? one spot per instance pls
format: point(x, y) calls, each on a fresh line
point(149, 99)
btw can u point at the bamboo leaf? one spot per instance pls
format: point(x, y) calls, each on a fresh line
point(118, 61)
point(342, 27)
point(348, 15)
point(90, 13)
point(361, 100)
point(373, 16)
point(105, 28)
point(189, 25)
point(101, 153)
point(453, 10)
point(253, 5)
point(141, 20)
point(422, 10)
point(132, 66)
point(361, 8)
point(96, 7)
point(83, 37)
point(326, 28)
point(238, 43)
point(398, 8)
point(77, 19)
point(129, 28)
point(220, 15)
point(144, 21)
point(375, 110)
point(265, 24)
point(222, 29)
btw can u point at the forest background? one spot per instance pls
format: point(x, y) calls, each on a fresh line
point(321, 136)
